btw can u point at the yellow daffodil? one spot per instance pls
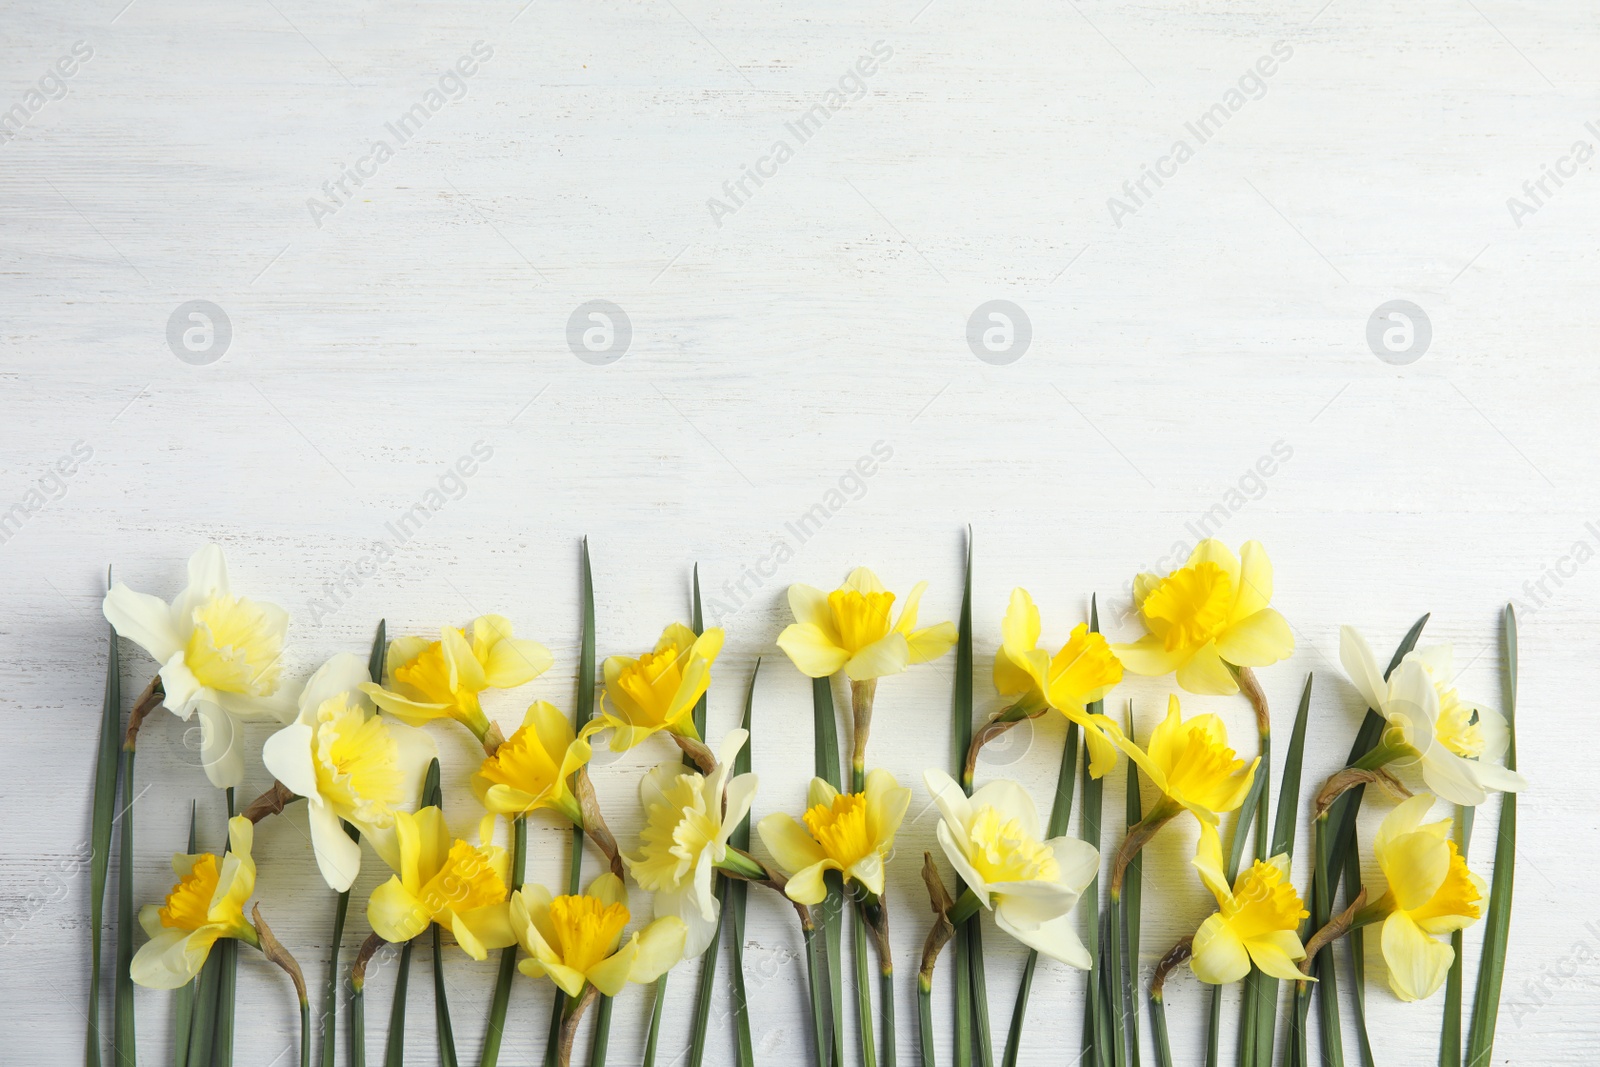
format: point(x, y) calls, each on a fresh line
point(219, 655)
point(207, 904)
point(688, 819)
point(658, 691)
point(850, 629)
point(577, 940)
point(1458, 744)
point(992, 840)
point(1258, 918)
point(1210, 613)
point(1082, 672)
point(350, 764)
point(533, 768)
point(1430, 892)
point(427, 680)
point(1190, 762)
point(452, 883)
point(848, 832)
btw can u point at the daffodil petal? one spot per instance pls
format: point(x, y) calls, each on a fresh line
point(1258, 640)
point(1417, 963)
point(812, 650)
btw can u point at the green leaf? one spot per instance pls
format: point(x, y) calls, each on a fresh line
point(863, 968)
point(1497, 924)
point(960, 742)
point(816, 971)
point(185, 996)
point(433, 796)
point(1097, 1042)
point(1450, 1029)
point(202, 1027)
point(105, 806)
point(1327, 977)
point(124, 1047)
point(581, 715)
point(654, 1034)
point(708, 959)
point(1131, 887)
point(825, 755)
point(395, 1051)
point(227, 951)
point(358, 1027)
point(735, 892)
point(495, 1035)
point(1358, 960)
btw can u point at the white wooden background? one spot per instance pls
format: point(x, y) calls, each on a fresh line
point(1225, 316)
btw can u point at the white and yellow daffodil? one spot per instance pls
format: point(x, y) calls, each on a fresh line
point(688, 820)
point(426, 680)
point(1083, 671)
point(205, 906)
point(657, 691)
point(1190, 762)
point(849, 629)
point(450, 882)
point(992, 840)
point(350, 764)
point(1208, 614)
point(1258, 918)
point(219, 655)
point(1431, 892)
point(577, 940)
point(533, 768)
point(1458, 744)
point(848, 832)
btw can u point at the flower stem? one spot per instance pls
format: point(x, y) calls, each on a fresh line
point(861, 697)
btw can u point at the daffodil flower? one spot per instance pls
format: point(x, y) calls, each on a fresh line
point(533, 768)
point(205, 906)
point(427, 680)
point(1083, 671)
point(457, 885)
point(1431, 891)
point(219, 655)
point(577, 940)
point(350, 764)
point(1458, 744)
point(848, 832)
point(992, 840)
point(658, 691)
point(688, 819)
point(1258, 918)
point(1208, 614)
point(849, 629)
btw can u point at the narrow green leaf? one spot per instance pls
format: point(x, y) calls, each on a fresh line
point(184, 1000)
point(1283, 826)
point(1358, 960)
point(1131, 890)
point(358, 1027)
point(863, 968)
point(124, 1048)
point(699, 713)
point(380, 649)
point(227, 951)
point(961, 958)
point(1097, 1043)
point(1327, 977)
point(105, 805)
point(202, 1027)
point(1450, 1029)
point(982, 1040)
point(495, 1034)
point(825, 755)
point(1158, 1023)
point(395, 1051)
point(433, 796)
point(925, 1021)
point(708, 959)
point(654, 1034)
point(1253, 803)
point(735, 892)
point(817, 973)
point(602, 1031)
point(1497, 924)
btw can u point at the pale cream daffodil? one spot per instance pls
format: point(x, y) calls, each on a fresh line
point(1083, 671)
point(1031, 885)
point(1456, 743)
point(848, 832)
point(350, 764)
point(426, 680)
point(205, 906)
point(1430, 892)
point(219, 654)
point(688, 820)
point(850, 629)
point(1258, 918)
point(533, 768)
point(1190, 763)
point(461, 887)
point(1207, 615)
point(658, 690)
point(578, 939)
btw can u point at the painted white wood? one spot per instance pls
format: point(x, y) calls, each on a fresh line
point(822, 315)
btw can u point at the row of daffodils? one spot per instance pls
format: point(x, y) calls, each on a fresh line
point(356, 744)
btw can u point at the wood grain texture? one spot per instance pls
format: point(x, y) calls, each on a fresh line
point(1225, 317)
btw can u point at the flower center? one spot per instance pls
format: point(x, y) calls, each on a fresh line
point(188, 906)
point(428, 675)
point(234, 647)
point(1457, 895)
point(653, 681)
point(677, 829)
point(466, 881)
point(1263, 902)
point(586, 929)
point(522, 763)
point(1455, 727)
point(1190, 607)
point(860, 618)
point(357, 762)
point(1084, 665)
point(1002, 852)
point(1201, 769)
point(841, 829)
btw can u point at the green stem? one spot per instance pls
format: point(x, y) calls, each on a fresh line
point(495, 1034)
point(395, 1050)
point(925, 1020)
point(330, 993)
point(358, 1027)
point(105, 804)
point(124, 1048)
point(886, 997)
point(305, 1033)
point(817, 971)
point(864, 1017)
point(654, 1034)
point(1158, 1023)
